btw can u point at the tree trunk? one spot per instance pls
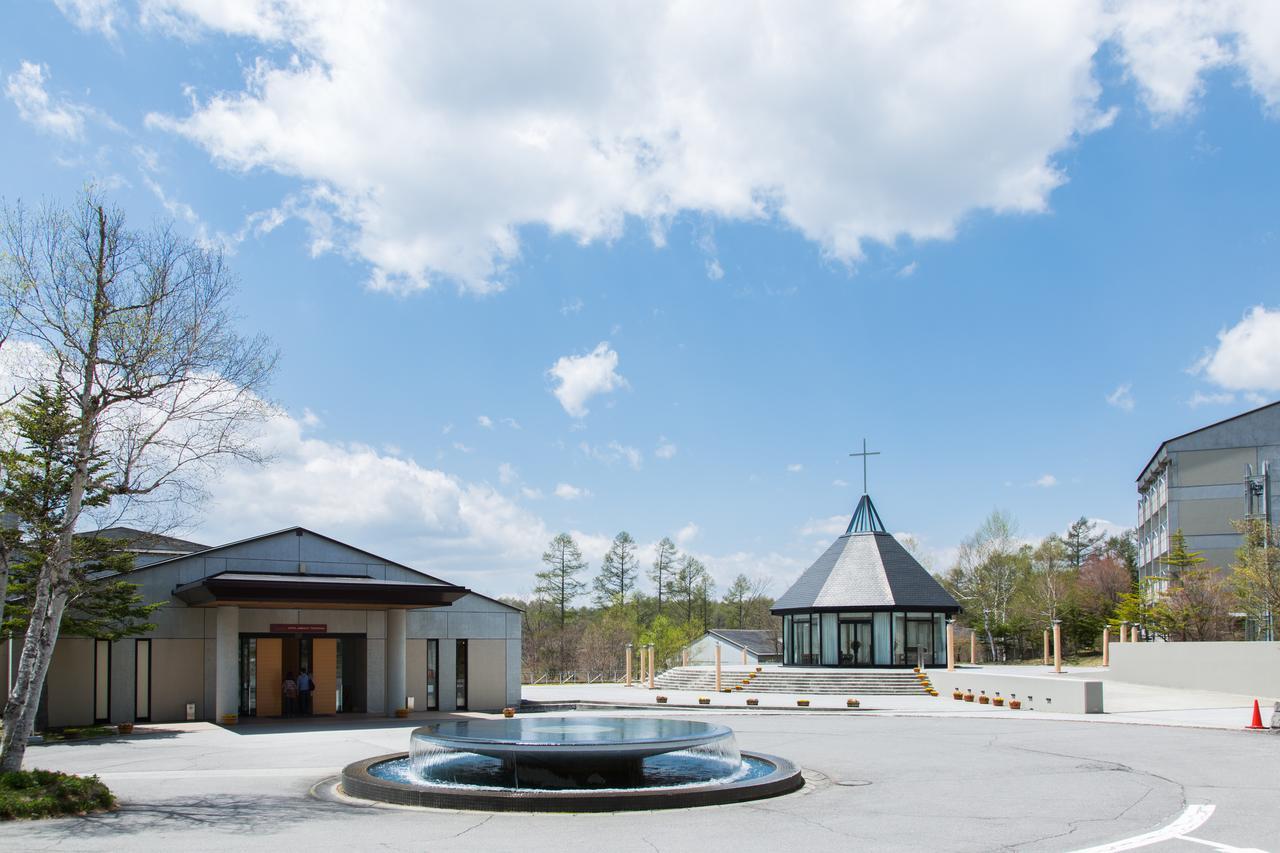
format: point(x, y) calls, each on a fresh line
point(33, 666)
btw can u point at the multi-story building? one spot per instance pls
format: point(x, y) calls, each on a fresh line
point(1203, 481)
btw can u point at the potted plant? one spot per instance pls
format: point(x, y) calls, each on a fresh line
point(932, 692)
point(853, 703)
point(404, 712)
point(957, 694)
point(803, 703)
point(229, 719)
point(703, 700)
point(984, 699)
point(1015, 704)
point(125, 728)
point(753, 702)
point(662, 700)
point(998, 701)
point(968, 696)
point(759, 669)
point(508, 712)
point(726, 689)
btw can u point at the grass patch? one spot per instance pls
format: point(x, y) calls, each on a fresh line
point(46, 793)
point(78, 733)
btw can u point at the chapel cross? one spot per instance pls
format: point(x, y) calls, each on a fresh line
point(864, 454)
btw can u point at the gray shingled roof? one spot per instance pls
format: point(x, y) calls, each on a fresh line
point(866, 570)
point(759, 641)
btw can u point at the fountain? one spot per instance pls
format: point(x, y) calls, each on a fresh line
point(555, 763)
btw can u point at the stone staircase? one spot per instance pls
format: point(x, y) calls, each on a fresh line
point(850, 682)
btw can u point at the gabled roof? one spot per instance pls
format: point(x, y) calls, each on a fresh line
point(1169, 441)
point(140, 541)
point(866, 570)
point(758, 641)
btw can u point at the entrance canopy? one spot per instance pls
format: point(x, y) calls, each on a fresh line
point(265, 589)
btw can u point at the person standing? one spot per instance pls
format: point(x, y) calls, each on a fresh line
point(306, 684)
point(290, 690)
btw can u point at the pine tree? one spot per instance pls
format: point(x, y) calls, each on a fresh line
point(663, 565)
point(618, 571)
point(1081, 540)
point(687, 585)
point(558, 584)
point(737, 596)
point(1179, 559)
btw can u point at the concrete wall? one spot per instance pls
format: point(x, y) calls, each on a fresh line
point(1249, 669)
point(486, 675)
point(1037, 693)
point(177, 677)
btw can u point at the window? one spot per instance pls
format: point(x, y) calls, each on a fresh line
point(433, 675)
point(461, 675)
point(142, 680)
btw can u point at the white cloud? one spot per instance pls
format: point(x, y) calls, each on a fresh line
point(1247, 357)
point(581, 377)
point(567, 492)
point(26, 88)
point(462, 448)
point(795, 468)
point(613, 452)
point(1200, 398)
point(839, 484)
point(511, 422)
point(485, 421)
point(574, 307)
point(531, 493)
point(1122, 397)
point(833, 525)
point(687, 534)
point(666, 450)
point(1046, 481)
point(577, 119)
point(100, 15)
point(715, 272)
point(507, 474)
point(909, 270)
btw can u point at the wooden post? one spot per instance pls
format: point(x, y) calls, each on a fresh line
point(644, 662)
point(717, 667)
point(1123, 630)
point(951, 645)
point(628, 664)
point(1057, 645)
point(684, 657)
point(973, 646)
point(1106, 646)
point(1045, 659)
point(744, 657)
point(652, 664)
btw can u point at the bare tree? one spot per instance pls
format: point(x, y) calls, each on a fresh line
point(136, 327)
point(985, 575)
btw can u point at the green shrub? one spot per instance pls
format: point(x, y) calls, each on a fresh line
point(46, 793)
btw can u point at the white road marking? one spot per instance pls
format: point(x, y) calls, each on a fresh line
point(1217, 845)
point(1189, 821)
point(257, 772)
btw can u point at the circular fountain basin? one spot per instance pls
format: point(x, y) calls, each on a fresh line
point(547, 763)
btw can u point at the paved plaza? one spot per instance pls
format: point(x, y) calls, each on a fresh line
point(895, 779)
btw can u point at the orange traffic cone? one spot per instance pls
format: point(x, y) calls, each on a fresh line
point(1257, 717)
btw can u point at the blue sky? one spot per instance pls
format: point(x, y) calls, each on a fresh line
point(1015, 254)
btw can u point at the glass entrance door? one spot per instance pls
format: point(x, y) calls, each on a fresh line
point(855, 643)
point(919, 642)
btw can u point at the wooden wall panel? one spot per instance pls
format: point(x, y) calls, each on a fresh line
point(324, 665)
point(270, 677)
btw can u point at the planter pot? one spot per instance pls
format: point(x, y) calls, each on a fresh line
point(915, 669)
point(737, 687)
point(957, 695)
point(933, 693)
point(726, 689)
point(702, 700)
point(984, 700)
point(508, 712)
point(968, 697)
point(853, 703)
point(1015, 704)
point(402, 713)
point(759, 669)
point(662, 700)
point(998, 701)
point(803, 703)
point(229, 719)
point(125, 728)
point(753, 702)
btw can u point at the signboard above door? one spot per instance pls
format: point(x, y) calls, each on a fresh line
point(294, 628)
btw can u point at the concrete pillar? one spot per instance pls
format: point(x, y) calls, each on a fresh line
point(1123, 630)
point(744, 657)
point(1045, 659)
point(227, 671)
point(973, 647)
point(628, 664)
point(951, 646)
point(1106, 646)
point(1057, 645)
point(397, 641)
point(717, 667)
point(653, 654)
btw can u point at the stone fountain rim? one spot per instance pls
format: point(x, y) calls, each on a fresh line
point(358, 782)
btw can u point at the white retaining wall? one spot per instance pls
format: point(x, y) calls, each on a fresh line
point(1037, 693)
point(1249, 669)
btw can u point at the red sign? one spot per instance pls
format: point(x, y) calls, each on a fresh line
point(279, 628)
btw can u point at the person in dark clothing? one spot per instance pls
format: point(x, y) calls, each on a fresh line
point(306, 686)
point(290, 690)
